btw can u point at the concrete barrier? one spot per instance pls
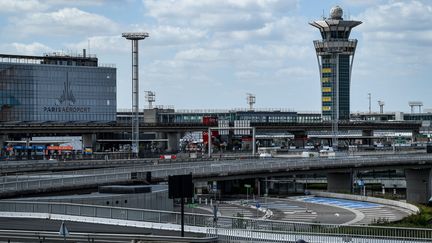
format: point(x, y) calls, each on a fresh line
point(411, 208)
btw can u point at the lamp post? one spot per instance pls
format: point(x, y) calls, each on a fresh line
point(135, 37)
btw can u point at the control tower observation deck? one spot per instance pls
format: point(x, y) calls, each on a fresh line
point(335, 55)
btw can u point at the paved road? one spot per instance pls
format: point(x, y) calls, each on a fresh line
point(314, 210)
point(54, 225)
point(372, 212)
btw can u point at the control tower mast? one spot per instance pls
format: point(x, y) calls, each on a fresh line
point(335, 55)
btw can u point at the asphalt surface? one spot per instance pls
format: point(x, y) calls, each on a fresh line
point(54, 225)
point(311, 210)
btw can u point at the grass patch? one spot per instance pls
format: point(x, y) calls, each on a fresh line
point(420, 220)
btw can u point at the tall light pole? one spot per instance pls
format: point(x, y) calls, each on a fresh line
point(135, 37)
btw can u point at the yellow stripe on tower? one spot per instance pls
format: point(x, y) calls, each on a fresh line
point(326, 108)
point(325, 80)
point(326, 70)
point(326, 89)
point(326, 99)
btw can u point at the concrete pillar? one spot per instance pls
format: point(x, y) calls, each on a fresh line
point(3, 139)
point(368, 133)
point(161, 145)
point(173, 141)
point(339, 182)
point(418, 183)
point(258, 186)
point(89, 141)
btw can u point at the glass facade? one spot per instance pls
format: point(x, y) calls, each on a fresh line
point(328, 84)
point(57, 93)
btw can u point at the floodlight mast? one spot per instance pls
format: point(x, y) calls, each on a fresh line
point(135, 37)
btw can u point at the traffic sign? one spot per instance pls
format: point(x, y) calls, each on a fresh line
point(258, 205)
point(247, 185)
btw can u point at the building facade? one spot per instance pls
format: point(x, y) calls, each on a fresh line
point(56, 88)
point(335, 55)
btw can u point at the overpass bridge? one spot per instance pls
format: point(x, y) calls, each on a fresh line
point(169, 133)
point(85, 128)
point(340, 172)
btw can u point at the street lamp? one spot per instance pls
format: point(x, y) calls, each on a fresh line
point(135, 37)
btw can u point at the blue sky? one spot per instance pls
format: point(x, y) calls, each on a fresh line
point(207, 54)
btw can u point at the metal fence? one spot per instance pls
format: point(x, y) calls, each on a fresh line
point(232, 229)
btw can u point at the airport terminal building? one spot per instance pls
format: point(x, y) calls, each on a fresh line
point(56, 88)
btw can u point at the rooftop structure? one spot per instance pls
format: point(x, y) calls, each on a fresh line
point(54, 58)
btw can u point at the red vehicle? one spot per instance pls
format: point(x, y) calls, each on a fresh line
point(205, 136)
point(210, 120)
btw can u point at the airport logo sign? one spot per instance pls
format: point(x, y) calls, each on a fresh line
point(65, 103)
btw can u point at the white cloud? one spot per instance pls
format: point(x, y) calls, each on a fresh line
point(34, 48)
point(401, 21)
point(399, 31)
point(198, 54)
point(102, 44)
point(218, 15)
point(174, 35)
point(12, 6)
point(362, 2)
point(63, 22)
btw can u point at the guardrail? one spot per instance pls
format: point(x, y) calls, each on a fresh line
point(205, 169)
point(227, 226)
point(50, 236)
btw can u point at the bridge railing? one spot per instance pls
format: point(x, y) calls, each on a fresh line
point(198, 169)
point(225, 224)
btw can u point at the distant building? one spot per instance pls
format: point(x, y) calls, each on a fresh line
point(335, 54)
point(56, 88)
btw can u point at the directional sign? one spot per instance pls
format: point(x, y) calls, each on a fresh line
point(192, 205)
point(63, 230)
point(247, 185)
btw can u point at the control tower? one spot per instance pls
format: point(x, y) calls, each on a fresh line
point(335, 55)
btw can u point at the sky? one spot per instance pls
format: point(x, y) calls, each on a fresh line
point(207, 54)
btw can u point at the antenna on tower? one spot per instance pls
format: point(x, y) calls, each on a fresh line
point(323, 15)
point(370, 98)
point(381, 105)
point(150, 97)
point(250, 100)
